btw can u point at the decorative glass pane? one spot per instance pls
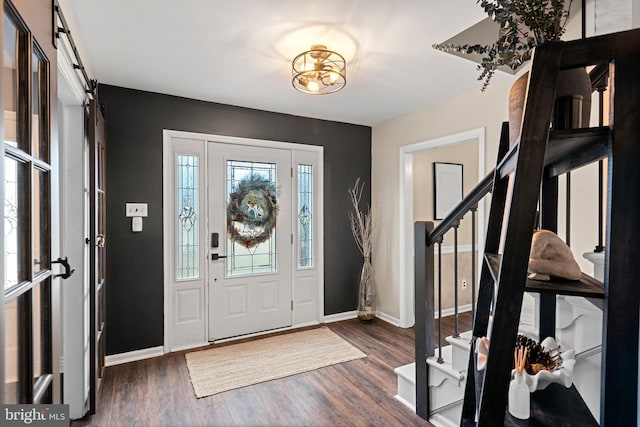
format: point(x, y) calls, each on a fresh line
point(37, 337)
point(41, 312)
point(188, 259)
point(305, 216)
point(14, 221)
point(10, 81)
point(40, 143)
point(251, 216)
point(40, 220)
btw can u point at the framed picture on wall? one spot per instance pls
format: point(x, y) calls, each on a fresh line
point(447, 188)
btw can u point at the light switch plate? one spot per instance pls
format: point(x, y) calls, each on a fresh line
point(137, 209)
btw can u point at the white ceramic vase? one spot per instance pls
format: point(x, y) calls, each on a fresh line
point(519, 398)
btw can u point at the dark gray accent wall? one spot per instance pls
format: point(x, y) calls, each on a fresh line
point(135, 121)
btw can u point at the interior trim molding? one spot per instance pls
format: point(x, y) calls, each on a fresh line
point(405, 215)
point(340, 316)
point(134, 356)
point(461, 249)
point(451, 311)
point(388, 318)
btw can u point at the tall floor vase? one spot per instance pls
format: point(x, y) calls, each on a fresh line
point(366, 294)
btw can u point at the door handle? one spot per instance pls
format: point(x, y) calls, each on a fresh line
point(68, 271)
point(215, 257)
point(100, 240)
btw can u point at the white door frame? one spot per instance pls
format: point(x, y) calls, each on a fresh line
point(406, 260)
point(74, 220)
point(168, 213)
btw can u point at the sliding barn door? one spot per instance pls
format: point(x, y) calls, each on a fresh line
point(97, 241)
point(30, 336)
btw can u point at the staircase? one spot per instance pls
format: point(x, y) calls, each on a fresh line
point(525, 181)
point(576, 329)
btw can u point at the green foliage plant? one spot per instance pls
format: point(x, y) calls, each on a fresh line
point(524, 24)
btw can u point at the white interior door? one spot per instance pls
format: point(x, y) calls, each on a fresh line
point(250, 282)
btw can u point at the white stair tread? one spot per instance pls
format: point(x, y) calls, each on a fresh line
point(446, 367)
point(464, 340)
point(408, 372)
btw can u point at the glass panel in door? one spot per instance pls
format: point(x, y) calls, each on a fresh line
point(10, 80)
point(11, 362)
point(15, 221)
point(251, 247)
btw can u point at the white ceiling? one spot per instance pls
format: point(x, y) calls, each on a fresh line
point(239, 52)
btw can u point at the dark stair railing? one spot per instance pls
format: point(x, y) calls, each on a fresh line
point(426, 238)
point(531, 165)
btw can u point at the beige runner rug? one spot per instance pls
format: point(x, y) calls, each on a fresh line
point(239, 365)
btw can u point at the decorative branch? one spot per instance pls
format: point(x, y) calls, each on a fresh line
point(361, 222)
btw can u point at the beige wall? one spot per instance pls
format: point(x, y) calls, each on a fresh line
point(448, 280)
point(465, 153)
point(470, 111)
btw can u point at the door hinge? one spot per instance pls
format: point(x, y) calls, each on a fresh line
point(291, 172)
point(291, 305)
point(292, 238)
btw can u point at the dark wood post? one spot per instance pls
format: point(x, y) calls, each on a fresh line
point(424, 312)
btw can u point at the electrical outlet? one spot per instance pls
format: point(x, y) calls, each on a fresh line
point(464, 283)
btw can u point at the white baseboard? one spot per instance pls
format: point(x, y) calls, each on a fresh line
point(450, 311)
point(341, 316)
point(188, 346)
point(387, 318)
point(461, 249)
point(133, 356)
point(347, 315)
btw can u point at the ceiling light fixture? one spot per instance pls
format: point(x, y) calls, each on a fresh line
point(319, 71)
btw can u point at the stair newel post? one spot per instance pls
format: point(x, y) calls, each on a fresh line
point(440, 359)
point(456, 225)
point(424, 313)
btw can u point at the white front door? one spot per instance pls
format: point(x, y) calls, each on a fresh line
point(250, 239)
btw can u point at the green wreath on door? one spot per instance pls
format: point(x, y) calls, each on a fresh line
point(252, 211)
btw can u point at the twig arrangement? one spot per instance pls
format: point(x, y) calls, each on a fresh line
point(520, 359)
point(361, 222)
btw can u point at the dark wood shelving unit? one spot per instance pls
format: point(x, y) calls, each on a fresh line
point(555, 406)
point(587, 286)
point(526, 174)
point(525, 184)
point(566, 150)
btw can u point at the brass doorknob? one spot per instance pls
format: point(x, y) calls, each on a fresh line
point(100, 240)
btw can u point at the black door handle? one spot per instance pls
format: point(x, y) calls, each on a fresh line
point(68, 271)
point(215, 257)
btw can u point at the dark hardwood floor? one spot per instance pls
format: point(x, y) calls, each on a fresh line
point(158, 391)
